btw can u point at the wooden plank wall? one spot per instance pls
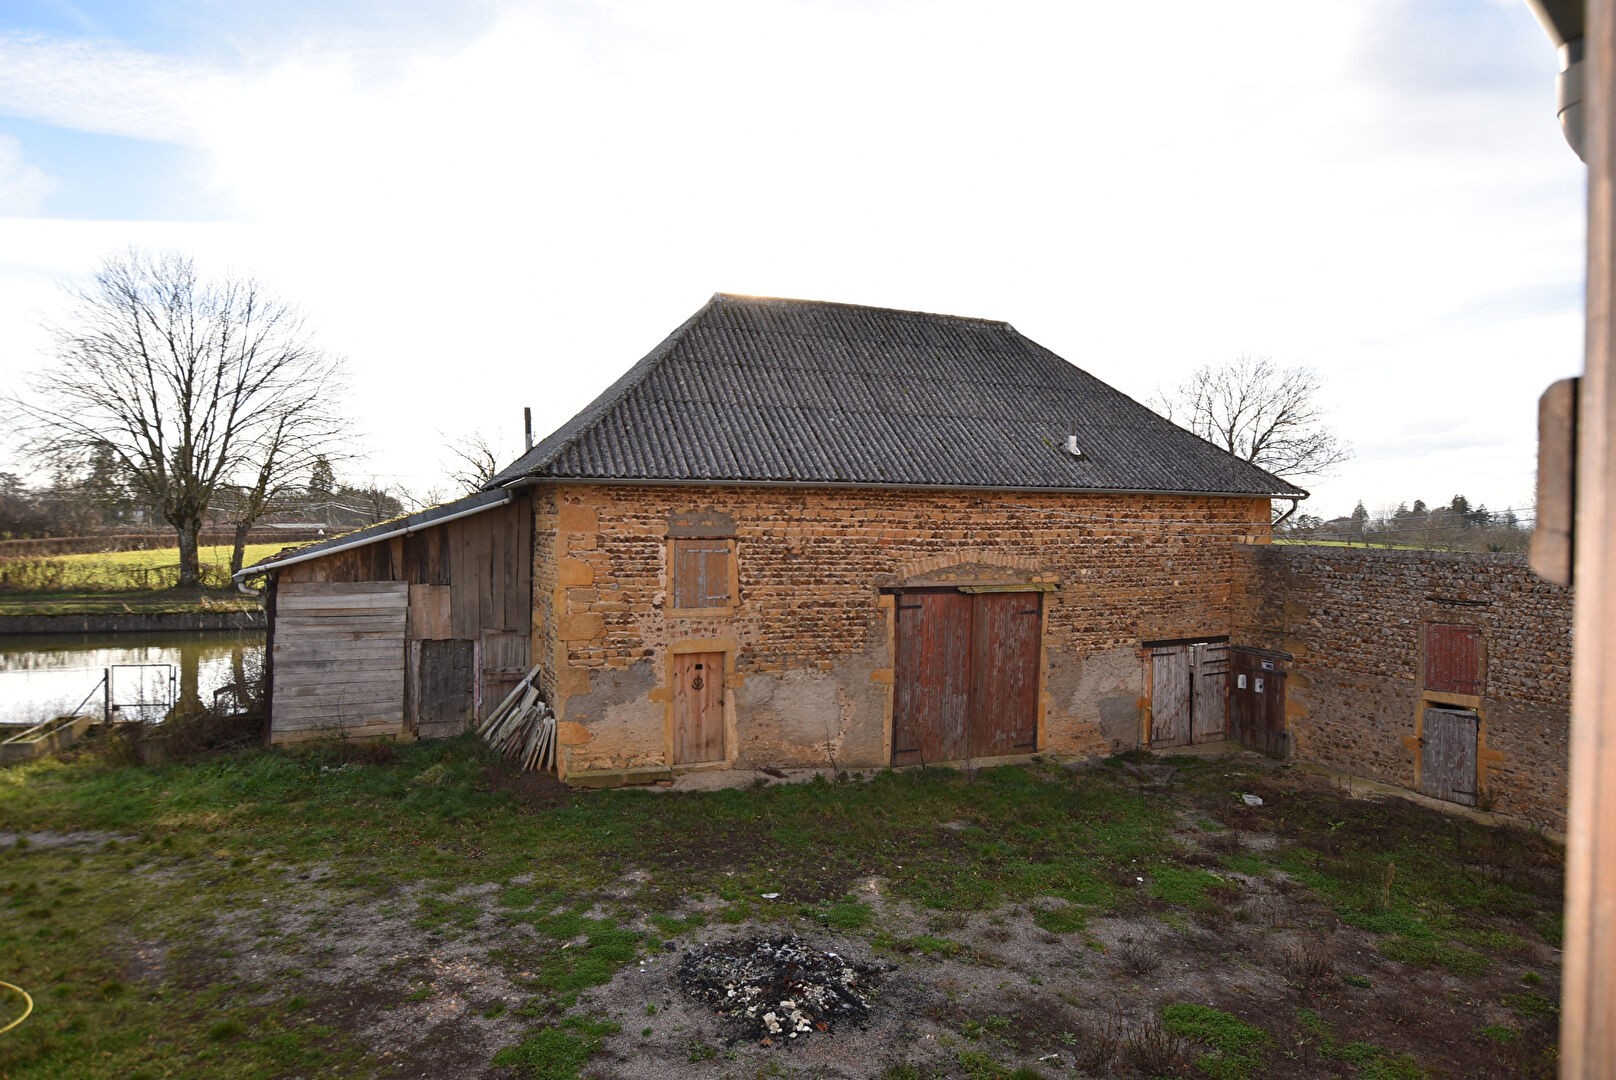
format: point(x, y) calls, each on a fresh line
point(467, 580)
point(338, 659)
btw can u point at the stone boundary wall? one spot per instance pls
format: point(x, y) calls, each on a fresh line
point(1354, 620)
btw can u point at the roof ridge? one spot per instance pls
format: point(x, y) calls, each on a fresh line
point(724, 297)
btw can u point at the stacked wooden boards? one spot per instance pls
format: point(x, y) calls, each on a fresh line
point(523, 728)
point(338, 658)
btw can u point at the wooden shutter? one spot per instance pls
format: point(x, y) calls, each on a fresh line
point(1452, 659)
point(701, 577)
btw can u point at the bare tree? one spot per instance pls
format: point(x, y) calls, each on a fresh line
point(299, 434)
point(189, 383)
point(474, 459)
point(1263, 413)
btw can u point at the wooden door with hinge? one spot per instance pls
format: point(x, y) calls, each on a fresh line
point(1448, 740)
point(966, 676)
point(1006, 633)
point(698, 708)
point(1257, 701)
point(932, 678)
point(1170, 694)
point(1209, 698)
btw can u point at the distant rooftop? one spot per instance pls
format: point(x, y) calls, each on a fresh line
point(756, 390)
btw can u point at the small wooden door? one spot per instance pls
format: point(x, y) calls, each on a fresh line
point(698, 708)
point(932, 695)
point(1209, 702)
point(1170, 695)
point(1448, 755)
point(447, 691)
point(1257, 701)
point(1005, 630)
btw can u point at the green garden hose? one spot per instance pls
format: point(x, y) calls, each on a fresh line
point(28, 1002)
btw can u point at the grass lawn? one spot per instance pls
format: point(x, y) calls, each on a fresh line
point(122, 581)
point(419, 910)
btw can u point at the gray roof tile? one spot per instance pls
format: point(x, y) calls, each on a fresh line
point(794, 391)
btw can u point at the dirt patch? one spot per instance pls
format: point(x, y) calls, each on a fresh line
point(535, 790)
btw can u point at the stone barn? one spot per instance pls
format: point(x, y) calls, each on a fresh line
point(820, 534)
point(806, 534)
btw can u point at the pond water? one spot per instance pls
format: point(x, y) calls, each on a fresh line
point(45, 675)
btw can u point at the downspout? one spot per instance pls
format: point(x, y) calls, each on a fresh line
point(1280, 520)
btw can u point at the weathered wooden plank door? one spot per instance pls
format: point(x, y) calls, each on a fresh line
point(1170, 695)
point(1448, 755)
point(447, 693)
point(1209, 702)
point(504, 662)
point(1005, 642)
point(932, 676)
point(1257, 702)
point(698, 708)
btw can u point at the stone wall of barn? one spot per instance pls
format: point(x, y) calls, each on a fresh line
point(1355, 621)
point(809, 644)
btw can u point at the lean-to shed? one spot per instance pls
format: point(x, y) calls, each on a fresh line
point(409, 628)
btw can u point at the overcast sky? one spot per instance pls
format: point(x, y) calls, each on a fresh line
point(488, 204)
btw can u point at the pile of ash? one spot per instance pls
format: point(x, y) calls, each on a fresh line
point(779, 987)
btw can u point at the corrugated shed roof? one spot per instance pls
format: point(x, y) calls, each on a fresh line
point(475, 503)
point(754, 390)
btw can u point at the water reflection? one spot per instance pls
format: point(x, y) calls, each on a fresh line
point(44, 675)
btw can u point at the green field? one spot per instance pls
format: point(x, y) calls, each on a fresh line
point(136, 582)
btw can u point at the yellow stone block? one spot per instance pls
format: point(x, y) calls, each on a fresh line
point(571, 734)
point(574, 572)
point(572, 680)
point(573, 518)
point(583, 627)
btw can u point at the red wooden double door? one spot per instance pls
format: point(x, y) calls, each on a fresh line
point(966, 675)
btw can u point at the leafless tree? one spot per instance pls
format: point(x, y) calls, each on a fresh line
point(189, 383)
point(1261, 412)
point(302, 431)
point(474, 459)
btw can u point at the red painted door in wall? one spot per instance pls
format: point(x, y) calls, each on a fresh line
point(932, 691)
point(966, 676)
point(698, 708)
point(1452, 658)
point(1005, 630)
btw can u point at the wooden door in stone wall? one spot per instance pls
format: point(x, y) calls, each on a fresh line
point(1209, 697)
point(1257, 701)
point(966, 675)
point(698, 708)
point(1005, 645)
point(1170, 695)
point(1448, 740)
point(932, 678)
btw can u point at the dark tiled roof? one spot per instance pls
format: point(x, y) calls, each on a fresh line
point(793, 391)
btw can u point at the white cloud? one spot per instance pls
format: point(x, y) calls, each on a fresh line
point(99, 87)
point(23, 187)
